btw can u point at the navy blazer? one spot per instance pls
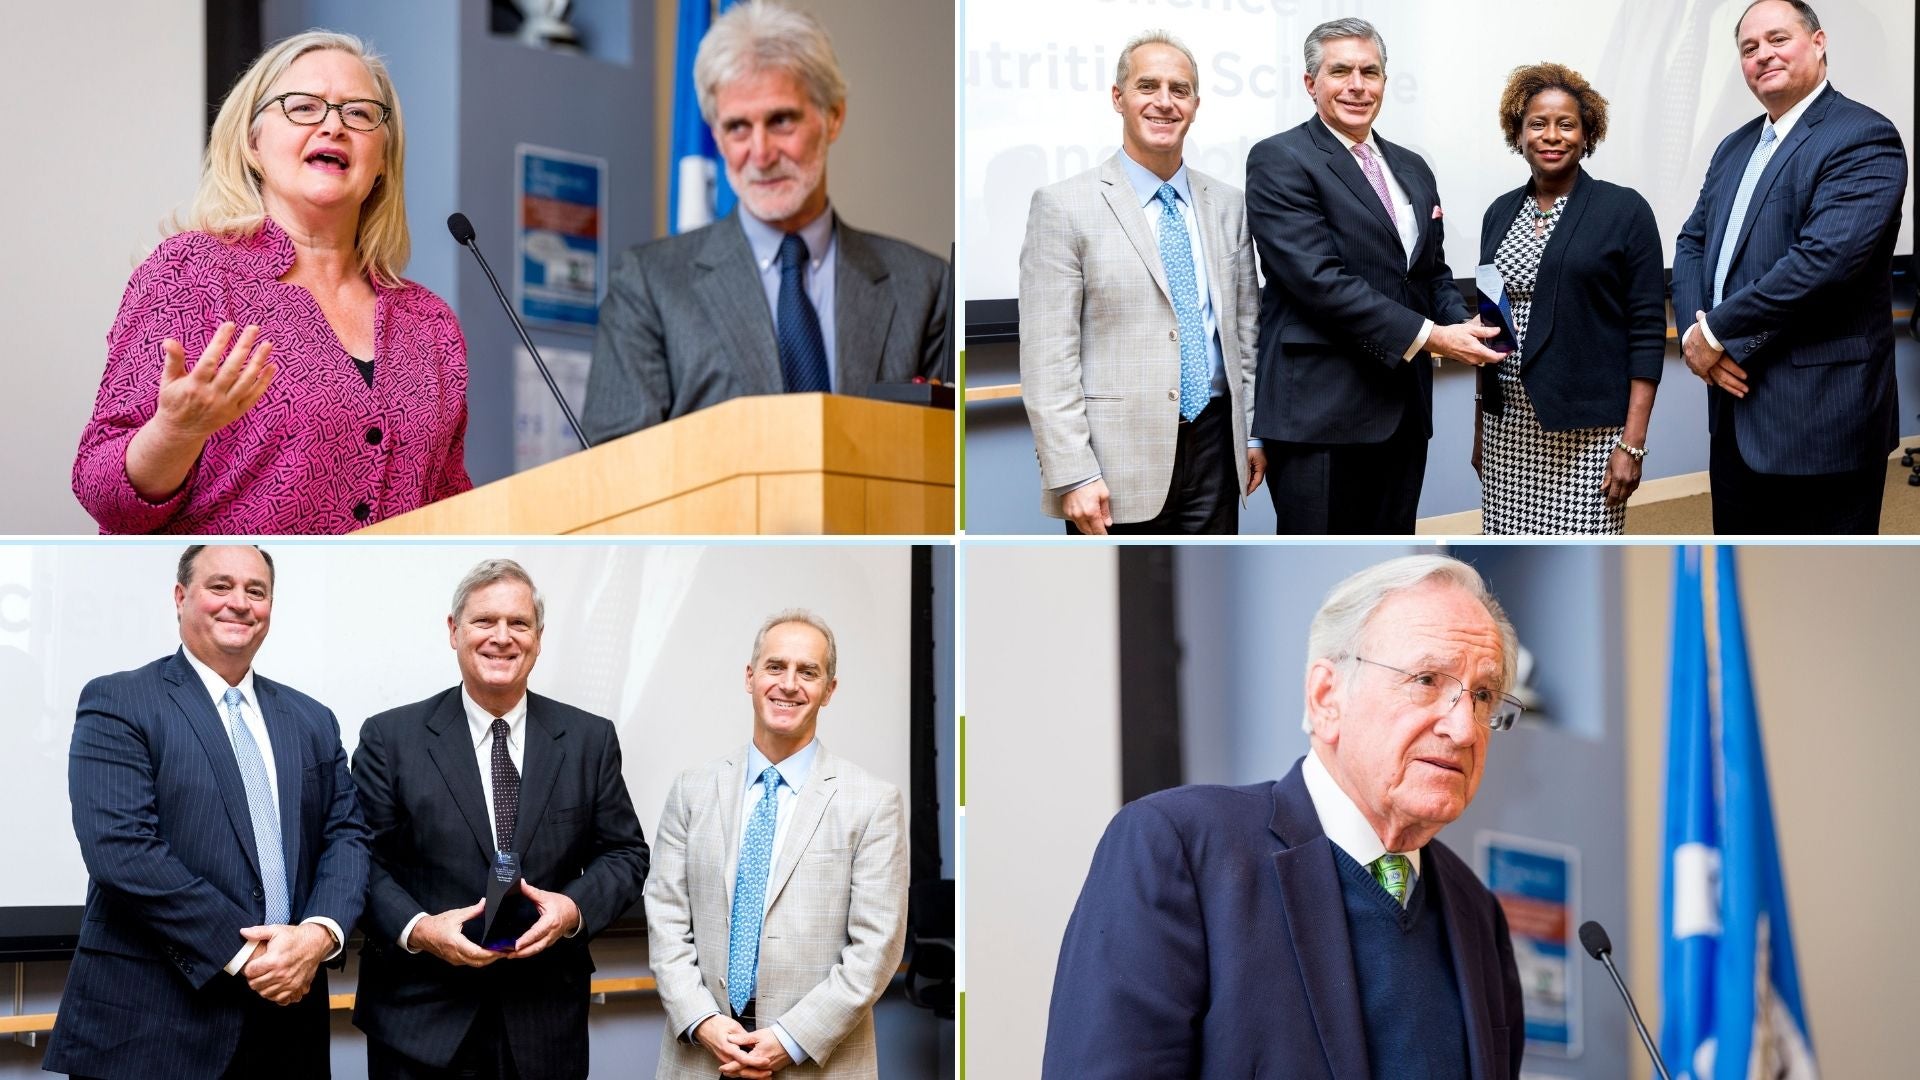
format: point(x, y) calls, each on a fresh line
point(433, 847)
point(1341, 302)
point(1599, 316)
point(173, 872)
point(1808, 301)
point(1210, 940)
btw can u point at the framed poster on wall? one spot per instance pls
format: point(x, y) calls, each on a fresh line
point(560, 237)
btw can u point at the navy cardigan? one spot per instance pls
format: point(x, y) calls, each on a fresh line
point(1599, 315)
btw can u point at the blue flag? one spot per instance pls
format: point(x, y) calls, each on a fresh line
point(1732, 1005)
point(697, 191)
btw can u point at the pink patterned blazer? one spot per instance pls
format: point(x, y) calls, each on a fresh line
point(321, 451)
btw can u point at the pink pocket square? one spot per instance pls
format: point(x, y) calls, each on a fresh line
point(1437, 215)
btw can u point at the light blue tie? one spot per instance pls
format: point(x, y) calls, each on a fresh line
point(1730, 239)
point(1176, 258)
point(266, 817)
point(749, 894)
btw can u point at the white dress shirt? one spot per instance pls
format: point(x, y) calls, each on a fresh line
point(793, 776)
point(216, 686)
point(1342, 821)
point(1780, 129)
point(1403, 220)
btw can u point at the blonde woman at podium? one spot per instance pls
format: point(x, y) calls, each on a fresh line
point(270, 371)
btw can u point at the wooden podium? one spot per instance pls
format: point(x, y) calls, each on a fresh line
point(785, 463)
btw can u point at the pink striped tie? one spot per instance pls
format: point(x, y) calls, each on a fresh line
point(1371, 166)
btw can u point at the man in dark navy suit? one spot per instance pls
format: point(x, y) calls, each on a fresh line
point(448, 783)
point(1313, 927)
point(1782, 277)
point(1357, 296)
point(225, 855)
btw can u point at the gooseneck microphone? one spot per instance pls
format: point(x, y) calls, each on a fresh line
point(1593, 937)
point(462, 231)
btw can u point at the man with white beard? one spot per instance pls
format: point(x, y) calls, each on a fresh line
point(781, 296)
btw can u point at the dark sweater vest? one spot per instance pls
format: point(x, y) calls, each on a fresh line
point(1409, 998)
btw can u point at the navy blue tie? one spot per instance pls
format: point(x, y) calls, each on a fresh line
point(803, 353)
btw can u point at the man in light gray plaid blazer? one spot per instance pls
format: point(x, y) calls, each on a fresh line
point(1101, 323)
point(833, 904)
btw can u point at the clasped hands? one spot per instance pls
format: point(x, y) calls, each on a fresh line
point(750, 1055)
point(284, 959)
point(441, 935)
point(1713, 366)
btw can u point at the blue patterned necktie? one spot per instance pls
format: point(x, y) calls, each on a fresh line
point(749, 894)
point(1750, 179)
point(1395, 874)
point(803, 352)
point(1176, 258)
point(266, 817)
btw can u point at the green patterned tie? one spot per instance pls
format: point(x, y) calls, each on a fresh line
point(1395, 874)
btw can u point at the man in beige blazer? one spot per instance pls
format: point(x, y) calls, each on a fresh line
point(777, 904)
point(1137, 315)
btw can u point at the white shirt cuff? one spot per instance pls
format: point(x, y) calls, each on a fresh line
point(407, 932)
point(331, 927)
point(793, 1048)
point(240, 958)
point(1706, 333)
point(1419, 341)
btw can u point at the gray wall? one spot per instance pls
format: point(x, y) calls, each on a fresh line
point(1560, 776)
point(1003, 480)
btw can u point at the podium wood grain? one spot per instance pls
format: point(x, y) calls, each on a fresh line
point(788, 463)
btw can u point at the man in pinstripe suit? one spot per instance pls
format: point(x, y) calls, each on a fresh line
point(225, 854)
point(1137, 311)
point(777, 907)
point(1781, 275)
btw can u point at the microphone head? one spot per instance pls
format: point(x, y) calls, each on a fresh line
point(460, 227)
point(1593, 937)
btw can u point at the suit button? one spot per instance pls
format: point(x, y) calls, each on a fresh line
point(1173, 395)
point(1173, 335)
point(258, 895)
point(373, 436)
point(361, 511)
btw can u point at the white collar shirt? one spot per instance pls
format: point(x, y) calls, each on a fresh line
point(1341, 820)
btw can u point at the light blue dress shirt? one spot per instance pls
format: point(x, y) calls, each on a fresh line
point(1146, 186)
point(822, 257)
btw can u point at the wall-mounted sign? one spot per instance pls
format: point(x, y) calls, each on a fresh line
point(560, 231)
point(1538, 885)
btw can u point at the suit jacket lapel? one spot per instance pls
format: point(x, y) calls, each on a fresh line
point(1467, 947)
point(450, 745)
point(1420, 201)
point(728, 284)
point(539, 769)
point(288, 767)
point(1133, 221)
point(808, 809)
point(1321, 945)
point(731, 785)
point(862, 311)
point(1347, 168)
point(190, 694)
point(1802, 131)
point(1213, 246)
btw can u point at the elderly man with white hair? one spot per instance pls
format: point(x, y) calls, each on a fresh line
point(781, 296)
point(1314, 926)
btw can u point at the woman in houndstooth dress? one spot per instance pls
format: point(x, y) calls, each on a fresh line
point(1563, 419)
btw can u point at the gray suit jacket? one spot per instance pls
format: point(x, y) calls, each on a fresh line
point(836, 918)
point(1099, 342)
point(685, 325)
